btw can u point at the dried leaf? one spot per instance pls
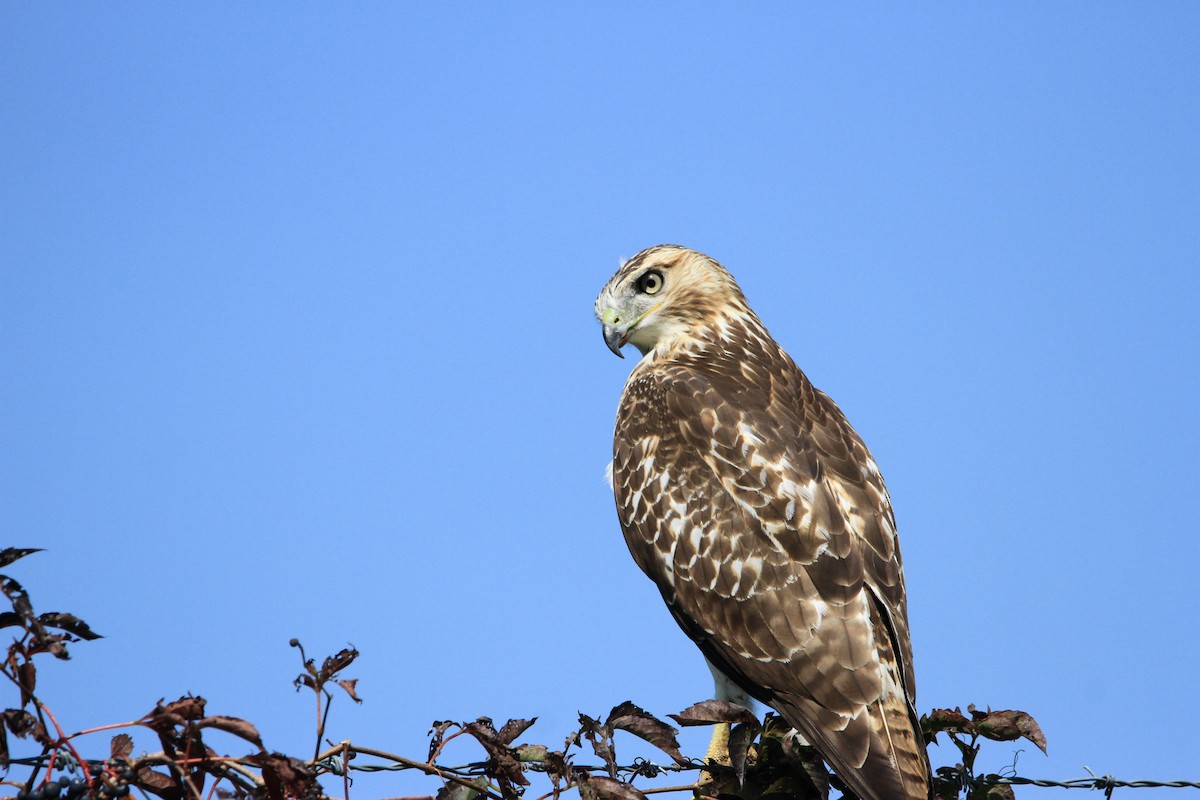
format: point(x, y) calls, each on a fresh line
point(187, 707)
point(740, 737)
point(10, 618)
point(336, 663)
point(18, 597)
point(1000, 791)
point(506, 767)
point(27, 680)
point(24, 725)
point(4, 757)
point(238, 727)
point(713, 712)
point(600, 737)
point(437, 733)
point(1005, 726)
point(10, 554)
point(69, 623)
point(120, 746)
point(157, 783)
point(349, 686)
point(514, 728)
point(598, 787)
point(631, 718)
point(285, 776)
point(456, 791)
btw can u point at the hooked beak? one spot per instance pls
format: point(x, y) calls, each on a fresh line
point(616, 337)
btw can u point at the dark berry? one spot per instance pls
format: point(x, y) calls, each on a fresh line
point(121, 790)
point(51, 791)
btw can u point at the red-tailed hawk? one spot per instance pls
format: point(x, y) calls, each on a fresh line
point(745, 495)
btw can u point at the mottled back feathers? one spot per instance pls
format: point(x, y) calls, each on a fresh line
point(745, 495)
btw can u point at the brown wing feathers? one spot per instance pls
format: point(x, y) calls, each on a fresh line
point(746, 496)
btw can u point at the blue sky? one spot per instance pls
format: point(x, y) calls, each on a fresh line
point(296, 339)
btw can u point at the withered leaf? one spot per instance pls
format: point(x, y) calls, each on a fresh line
point(998, 791)
point(740, 737)
point(285, 776)
point(4, 758)
point(25, 725)
point(120, 746)
point(506, 766)
point(238, 727)
point(598, 787)
point(629, 717)
point(18, 597)
point(349, 686)
point(514, 728)
point(189, 707)
point(69, 623)
point(713, 712)
point(1008, 725)
point(27, 680)
point(157, 783)
point(336, 663)
point(10, 554)
point(456, 791)
point(600, 737)
point(10, 618)
point(437, 733)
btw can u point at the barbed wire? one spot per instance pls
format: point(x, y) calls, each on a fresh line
point(336, 765)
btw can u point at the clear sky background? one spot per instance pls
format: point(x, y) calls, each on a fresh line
point(296, 339)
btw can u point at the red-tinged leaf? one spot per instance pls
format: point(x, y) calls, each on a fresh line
point(513, 728)
point(157, 783)
point(629, 717)
point(120, 746)
point(350, 687)
point(10, 554)
point(69, 623)
point(598, 787)
point(238, 727)
point(714, 712)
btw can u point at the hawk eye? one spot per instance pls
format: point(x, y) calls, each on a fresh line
point(651, 282)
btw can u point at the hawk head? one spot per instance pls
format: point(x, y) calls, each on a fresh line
point(662, 294)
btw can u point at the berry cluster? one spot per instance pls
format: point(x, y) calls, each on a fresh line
point(111, 784)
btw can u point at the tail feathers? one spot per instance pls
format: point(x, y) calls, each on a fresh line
point(878, 753)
